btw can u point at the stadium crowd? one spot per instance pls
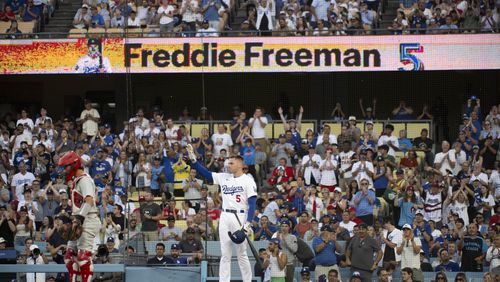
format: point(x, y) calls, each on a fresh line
point(190, 18)
point(415, 205)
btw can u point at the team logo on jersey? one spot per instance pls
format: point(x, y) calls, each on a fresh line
point(231, 190)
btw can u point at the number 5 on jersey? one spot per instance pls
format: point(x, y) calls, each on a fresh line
point(238, 198)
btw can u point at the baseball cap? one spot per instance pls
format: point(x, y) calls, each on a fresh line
point(23, 208)
point(175, 247)
point(93, 41)
point(170, 218)
point(285, 221)
point(475, 147)
point(326, 228)
point(380, 159)
point(369, 109)
point(282, 135)
point(107, 125)
point(369, 122)
point(419, 212)
point(311, 146)
point(2, 240)
point(407, 226)
point(275, 241)
point(279, 196)
point(356, 274)
point(32, 247)
point(363, 225)
point(352, 118)
point(304, 141)
point(465, 116)
point(305, 270)
point(110, 240)
point(337, 189)
point(352, 209)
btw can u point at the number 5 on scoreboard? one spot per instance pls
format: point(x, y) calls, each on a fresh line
point(407, 57)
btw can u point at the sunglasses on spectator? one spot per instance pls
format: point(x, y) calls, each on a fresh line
point(364, 184)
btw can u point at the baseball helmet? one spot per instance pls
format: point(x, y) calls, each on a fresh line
point(238, 236)
point(70, 159)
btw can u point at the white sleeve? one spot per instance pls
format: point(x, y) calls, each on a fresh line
point(452, 156)
point(381, 141)
point(438, 158)
point(264, 120)
point(371, 168)
point(229, 140)
point(80, 66)
point(215, 177)
point(251, 188)
point(87, 187)
point(395, 142)
point(305, 160)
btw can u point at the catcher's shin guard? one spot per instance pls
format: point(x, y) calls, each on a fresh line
point(84, 260)
point(71, 265)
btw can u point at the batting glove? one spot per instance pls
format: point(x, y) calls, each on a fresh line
point(191, 154)
point(247, 227)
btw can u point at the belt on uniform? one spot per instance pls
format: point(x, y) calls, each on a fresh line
point(233, 211)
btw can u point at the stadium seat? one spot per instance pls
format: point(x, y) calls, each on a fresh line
point(134, 32)
point(150, 31)
point(77, 33)
point(26, 27)
point(305, 126)
point(97, 31)
point(114, 32)
point(414, 129)
point(197, 127)
point(378, 127)
point(278, 129)
point(398, 127)
point(335, 128)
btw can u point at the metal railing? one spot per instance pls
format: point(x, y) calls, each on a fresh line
point(155, 33)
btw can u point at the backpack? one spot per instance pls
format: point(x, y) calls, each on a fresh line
point(304, 252)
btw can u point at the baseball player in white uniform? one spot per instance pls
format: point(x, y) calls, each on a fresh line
point(86, 223)
point(94, 61)
point(238, 198)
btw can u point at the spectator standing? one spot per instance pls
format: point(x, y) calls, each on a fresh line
point(276, 262)
point(325, 247)
point(389, 140)
point(210, 11)
point(166, 16)
point(150, 216)
point(473, 249)
point(221, 141)
point(288, 243)
point(20, 181)
point(391, 238)
point(311, 162)
point(409, 250)
point(363, 253)
point(364, 201)
point(257, 125)
point(493, 253)
point(445, 161)
point(89, 118)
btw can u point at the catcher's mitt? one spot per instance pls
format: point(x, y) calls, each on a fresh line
point(76, 227)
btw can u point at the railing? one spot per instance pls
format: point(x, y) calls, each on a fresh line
point(154, 32)
point(275, 127)
point(412, 127)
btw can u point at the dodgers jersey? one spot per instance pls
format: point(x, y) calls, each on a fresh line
point(235, 190)
point(87, 64)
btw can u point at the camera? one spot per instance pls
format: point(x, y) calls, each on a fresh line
point(102, 251)
point(36, 252)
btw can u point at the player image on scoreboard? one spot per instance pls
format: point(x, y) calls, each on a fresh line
point(94, 61)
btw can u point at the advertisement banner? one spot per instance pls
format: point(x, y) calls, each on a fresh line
point(251, 54)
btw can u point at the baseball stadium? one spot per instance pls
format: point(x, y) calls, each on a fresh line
point(249, 140)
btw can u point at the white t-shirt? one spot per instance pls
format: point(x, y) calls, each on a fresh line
point(164, 18)
point(348, 226)
point(408, 256)
point(19, 180)
point(257, 130)
point(363, 174)
point(328, 172)
point(269, 212)
point(221, 141)
point(345, 162)
point(26, 120)
point(495, 182)
point(384, 140)
point(235, 191)
point(482, 177)
point(446, 164)
point(332, 139)
point(90, 127)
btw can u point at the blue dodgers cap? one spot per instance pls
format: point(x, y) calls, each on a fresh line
point(275, 241)
point(175, 247)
